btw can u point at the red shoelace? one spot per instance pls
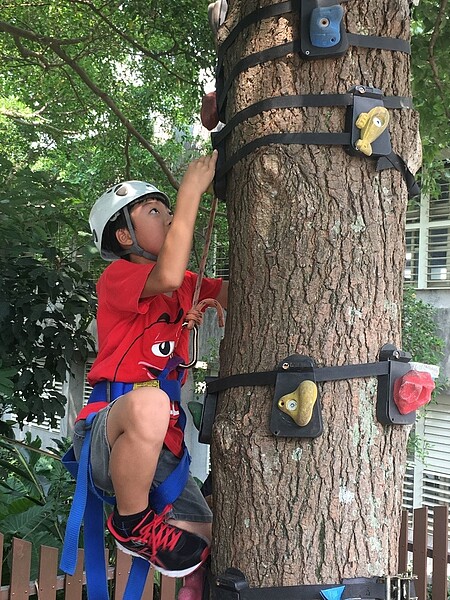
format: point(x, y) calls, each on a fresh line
point(158, 535)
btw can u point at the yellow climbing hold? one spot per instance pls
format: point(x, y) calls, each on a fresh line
point(299, 404)
point(372, 125)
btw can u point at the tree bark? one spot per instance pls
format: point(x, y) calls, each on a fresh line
point(316, 261)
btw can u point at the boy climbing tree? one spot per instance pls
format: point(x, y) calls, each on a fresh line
point(134, 418)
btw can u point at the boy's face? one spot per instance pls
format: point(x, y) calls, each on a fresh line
point(151, 220)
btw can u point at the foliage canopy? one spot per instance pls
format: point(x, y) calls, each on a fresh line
point(46, 296)
point(430, 31)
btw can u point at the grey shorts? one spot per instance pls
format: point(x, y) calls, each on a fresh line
point(189, 506)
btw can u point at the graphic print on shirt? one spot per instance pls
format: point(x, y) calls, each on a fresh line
point(157, 342)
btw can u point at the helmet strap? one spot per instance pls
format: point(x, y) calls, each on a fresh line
point(135, 248)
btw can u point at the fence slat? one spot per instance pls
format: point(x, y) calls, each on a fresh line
point(168, 588)
point(20, 569)
point(420, 542)
point(21, 588)
point(73, 587)
point(123, 566)
point(440, 552)
point(403, 544)
point(147, 594)
point(1, 556)
point(48, 572)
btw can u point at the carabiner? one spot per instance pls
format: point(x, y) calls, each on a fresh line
point(195, 348)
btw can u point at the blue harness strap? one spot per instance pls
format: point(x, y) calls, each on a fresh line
point(88, 500)
point(86, 505)
point(109, 390)
point(172, 486)
point(136, 579)
point(94, 549)
point(70, 550)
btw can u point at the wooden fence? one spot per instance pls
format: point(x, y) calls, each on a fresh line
point(417, 547)
point(49, 582)
point(429, 552)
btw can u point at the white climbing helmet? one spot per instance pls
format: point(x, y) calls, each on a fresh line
point(114, 200)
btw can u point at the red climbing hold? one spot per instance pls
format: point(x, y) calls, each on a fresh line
point(412, 391)
point(208, 115)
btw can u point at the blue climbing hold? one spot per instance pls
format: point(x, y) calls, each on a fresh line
point(334, 593)
point(325, 26)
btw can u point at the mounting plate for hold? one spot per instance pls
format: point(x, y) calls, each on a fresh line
point(365, 99)
point(291, 372)
point(399, 364)
point(208, 415)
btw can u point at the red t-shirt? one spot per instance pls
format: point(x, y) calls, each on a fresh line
point(136, 337)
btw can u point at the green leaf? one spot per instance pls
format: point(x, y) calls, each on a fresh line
point(196, 408)
point(24, 523)
point(20, 505)
point(20, 472)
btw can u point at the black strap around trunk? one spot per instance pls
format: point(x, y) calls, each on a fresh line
point(363, 41)
point(275, 52)
point(320, 138)
point(320, 375)
point(233, 584)
point(396, 161)
point(301, 101)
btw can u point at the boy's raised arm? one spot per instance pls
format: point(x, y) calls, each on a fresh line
point(168, 273)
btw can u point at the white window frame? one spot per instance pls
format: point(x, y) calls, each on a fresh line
point(424, 226)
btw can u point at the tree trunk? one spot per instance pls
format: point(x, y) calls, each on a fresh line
point(316, 261)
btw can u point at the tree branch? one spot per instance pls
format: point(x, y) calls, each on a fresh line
point(135, 44)
point(25, 33)
point(68, 75)
point(431, 58)
point(127, 157)
point(24, 119)
point(106, 99)
point(54, 45)
point(26, 53)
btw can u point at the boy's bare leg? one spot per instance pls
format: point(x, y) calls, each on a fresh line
point(193, 585)
point(204, 530)
point(136, 427)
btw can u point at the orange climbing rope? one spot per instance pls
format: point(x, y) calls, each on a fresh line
point(194, 317)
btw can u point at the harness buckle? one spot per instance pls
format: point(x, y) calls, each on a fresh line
point(149, 383)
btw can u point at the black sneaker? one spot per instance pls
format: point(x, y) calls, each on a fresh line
point(170, 550)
